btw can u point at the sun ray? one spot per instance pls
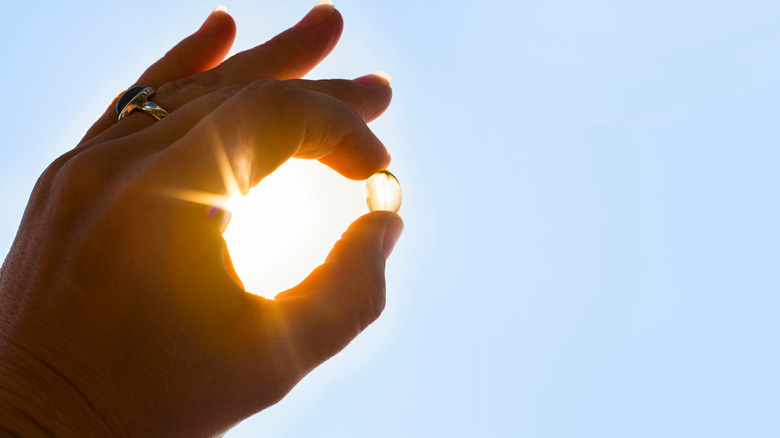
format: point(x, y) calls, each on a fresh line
point(286, 226)
point(282, 229)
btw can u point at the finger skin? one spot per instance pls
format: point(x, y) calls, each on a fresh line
point(344, 295)
point(261, 127)
point(198, 52)
point(369, 101)
point(291, 54)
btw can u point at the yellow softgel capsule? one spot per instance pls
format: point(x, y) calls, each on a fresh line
point(383, 192)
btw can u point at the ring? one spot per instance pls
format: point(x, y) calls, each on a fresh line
point(136, 98)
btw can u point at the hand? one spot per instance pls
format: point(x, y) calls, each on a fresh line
point(120, 314)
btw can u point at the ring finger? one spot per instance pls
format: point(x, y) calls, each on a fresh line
point(290, 54)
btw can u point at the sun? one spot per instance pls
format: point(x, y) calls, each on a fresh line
point(286, 225)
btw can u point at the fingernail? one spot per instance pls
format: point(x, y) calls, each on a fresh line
point(375, 79)
point(392, 233)
point(321, 12)
point(213, 20)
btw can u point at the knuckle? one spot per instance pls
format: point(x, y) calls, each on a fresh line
point(190, 87)
point(80, 176)
point(275, 99)
point(47, 183)
point(48, 177)
point(368, 311)
point(229, 90)
point(272, 89)
point(340, 88)
point(375, 306)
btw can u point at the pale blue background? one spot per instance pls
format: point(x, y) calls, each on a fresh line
point(591, 204)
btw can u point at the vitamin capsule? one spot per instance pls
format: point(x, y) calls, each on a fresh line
point(383, 192)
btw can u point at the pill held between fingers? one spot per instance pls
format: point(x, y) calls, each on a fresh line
point(383, 192)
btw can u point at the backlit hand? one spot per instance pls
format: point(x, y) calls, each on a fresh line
point(119, 311)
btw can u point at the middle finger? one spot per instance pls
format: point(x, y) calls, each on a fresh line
point(291, 54)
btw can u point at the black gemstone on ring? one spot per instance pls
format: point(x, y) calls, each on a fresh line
point(127, 97)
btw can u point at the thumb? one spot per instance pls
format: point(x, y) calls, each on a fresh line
point(343, 295)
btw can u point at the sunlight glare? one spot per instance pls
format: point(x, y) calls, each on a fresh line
point(287, 224)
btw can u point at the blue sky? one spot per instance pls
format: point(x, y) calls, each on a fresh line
point(590, 197)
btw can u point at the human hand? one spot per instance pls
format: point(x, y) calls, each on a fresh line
point(119, 311)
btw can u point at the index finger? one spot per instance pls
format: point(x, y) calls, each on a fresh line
point(251, 134)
